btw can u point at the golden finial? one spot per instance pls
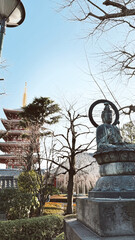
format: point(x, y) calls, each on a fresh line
point(25, 95)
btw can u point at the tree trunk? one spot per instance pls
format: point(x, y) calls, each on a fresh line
point(70, 193)
point(40, 208)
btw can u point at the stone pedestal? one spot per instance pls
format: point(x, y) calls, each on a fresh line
point(75, 230)
point(107, 217)
point(109, 211)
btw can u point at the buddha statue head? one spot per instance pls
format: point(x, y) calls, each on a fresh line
point(107, 114)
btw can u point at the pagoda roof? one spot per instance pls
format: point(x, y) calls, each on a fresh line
point(11, 160)
point(7, 156)
point(14, 132)
point(12, 113)
point(2, 132)
point(13, 110)
point(10, 124)
point(8, 135)
point(13, 143)
point(12, 146)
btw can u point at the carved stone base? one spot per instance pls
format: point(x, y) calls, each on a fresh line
point(116, 155)
point(108, 217)
point(119, 168)
point(112, 195)
point(116, 184)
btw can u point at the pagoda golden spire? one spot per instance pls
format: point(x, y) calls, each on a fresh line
point(25, 95)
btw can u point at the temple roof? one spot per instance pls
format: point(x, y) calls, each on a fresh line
point(7, 156)
point(14, 132)
point(11, 160)
point(13, 143)
point(12, 113)
point(10, 124)
point(10, 172)
point(12, 146)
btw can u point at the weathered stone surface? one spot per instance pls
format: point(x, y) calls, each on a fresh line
point(117, 168)
point(116, 183)
point(107, 217)
point(112, 195)
point(75, 230)
point(117, 155)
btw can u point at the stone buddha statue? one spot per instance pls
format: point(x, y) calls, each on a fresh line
point(108, 136)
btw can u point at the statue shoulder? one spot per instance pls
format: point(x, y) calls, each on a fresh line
point(101, 129)
point(102, 126)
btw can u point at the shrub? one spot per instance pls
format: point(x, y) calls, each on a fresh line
point(40, 228)
point(60, 236)
point(28, 182)
point(39, 186)
point(14, 203)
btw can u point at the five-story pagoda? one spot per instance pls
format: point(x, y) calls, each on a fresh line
point(13, 143)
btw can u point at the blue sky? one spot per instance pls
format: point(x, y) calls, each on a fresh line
point(45, 51)
point(48, 52)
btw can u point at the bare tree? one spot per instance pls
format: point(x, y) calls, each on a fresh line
point(70, 144)
point(64, 148)
point(46, 179)
point(105, 15)
point(127, 110)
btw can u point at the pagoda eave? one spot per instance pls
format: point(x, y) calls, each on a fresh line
point(12, 146)
point(7, 158)
point(10, 124)
point(12, 113)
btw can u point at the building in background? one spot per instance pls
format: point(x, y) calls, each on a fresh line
point(13, 143)
point(12, 146)
point(8, 178)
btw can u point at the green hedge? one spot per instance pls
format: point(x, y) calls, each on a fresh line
point(40, 228)
point(15, 204)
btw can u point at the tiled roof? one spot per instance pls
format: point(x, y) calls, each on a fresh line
point(10, 172)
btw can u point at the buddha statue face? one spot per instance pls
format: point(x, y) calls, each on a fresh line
point(107, 114)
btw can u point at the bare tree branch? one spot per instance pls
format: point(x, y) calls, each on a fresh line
point(80, 169)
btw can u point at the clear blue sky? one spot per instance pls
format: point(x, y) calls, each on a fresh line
point(47, 52)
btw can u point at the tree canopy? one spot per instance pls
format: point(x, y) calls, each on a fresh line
point(41, 110)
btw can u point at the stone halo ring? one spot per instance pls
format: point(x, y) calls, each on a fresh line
point(116, 121)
